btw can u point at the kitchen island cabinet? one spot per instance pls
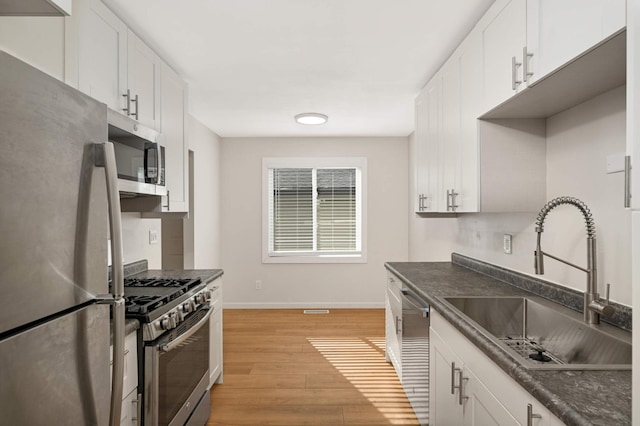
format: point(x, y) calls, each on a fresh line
point(604, 396)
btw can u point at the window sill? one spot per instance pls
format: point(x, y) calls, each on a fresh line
point(333, 258)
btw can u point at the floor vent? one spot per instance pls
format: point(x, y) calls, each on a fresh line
point(316, 311)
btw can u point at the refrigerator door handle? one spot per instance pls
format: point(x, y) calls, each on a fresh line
point(105, 157)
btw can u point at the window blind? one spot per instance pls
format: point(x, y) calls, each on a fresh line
point(336, 209)
point(292, 209)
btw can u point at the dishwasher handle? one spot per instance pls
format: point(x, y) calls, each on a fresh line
point(420, 305)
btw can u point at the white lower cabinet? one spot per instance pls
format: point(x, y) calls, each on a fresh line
point(130, 409)
point(215, 333)
point(467, 388)
point(393, 323)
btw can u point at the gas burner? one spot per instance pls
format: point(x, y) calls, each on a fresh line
point(160, 282)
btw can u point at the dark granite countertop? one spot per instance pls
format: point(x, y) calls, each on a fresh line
point(139, 270)
point(582, 397)
point(205, 275)
point(130, 325)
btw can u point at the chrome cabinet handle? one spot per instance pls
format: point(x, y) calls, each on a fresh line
point(451, 200)
point(422, 205)
point(526, 73)
point(627, 181)
point(135, 114)
point(398, 325)
point(168, 206)
point(461, 397)
point(531, 415)
point(453, 378)
point(128, 108)
point(514, 73)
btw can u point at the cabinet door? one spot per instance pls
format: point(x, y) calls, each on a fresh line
point(470, 60)
point(432, 144)
point(450, 140)
point(144, 82)
point(558, 31)
point(129, 414)
point(215, 334)
point(102, 54)
point(482, 408)
point(421, 203)
point(444, 379)
point(173, 93)
point(503, 40)
point(215, 355)
point(394, 325)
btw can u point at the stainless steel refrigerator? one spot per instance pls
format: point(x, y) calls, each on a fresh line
point(58, 204)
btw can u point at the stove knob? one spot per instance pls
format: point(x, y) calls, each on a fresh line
point(201, 298)
point(165, 323)
point(188, 306)
point(179, 317)
point(173, 320)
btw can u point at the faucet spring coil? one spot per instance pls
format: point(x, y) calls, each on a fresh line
point(588, 218)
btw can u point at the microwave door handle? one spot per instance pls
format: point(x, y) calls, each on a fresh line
point(106, 158)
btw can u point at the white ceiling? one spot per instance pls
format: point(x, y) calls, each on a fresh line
point(251, 65)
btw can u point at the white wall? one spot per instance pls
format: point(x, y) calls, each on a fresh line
point(202, 228)
point(135, 232)
point(311, 285)
point(578, 142)
point(38, 41)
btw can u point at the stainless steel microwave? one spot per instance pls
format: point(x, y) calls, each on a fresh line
point(139, 157)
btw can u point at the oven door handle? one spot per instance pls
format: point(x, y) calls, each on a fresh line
point(168, 347)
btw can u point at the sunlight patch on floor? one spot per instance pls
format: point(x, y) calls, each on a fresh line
point(362, 362)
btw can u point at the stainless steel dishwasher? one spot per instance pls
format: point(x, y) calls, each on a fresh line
point(415, 353)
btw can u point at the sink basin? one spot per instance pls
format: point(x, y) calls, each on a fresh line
point(543, 335)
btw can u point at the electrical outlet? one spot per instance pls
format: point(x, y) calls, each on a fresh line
point(506, 243)
point(258, 284)
point(153, 236)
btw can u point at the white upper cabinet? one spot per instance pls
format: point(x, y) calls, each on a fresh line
point(449, 188)
point(560, 30)
point(102, 53)
point(114, 65)
point(428, 137)
point(173, 136)
point(503, 39)
point(143, 77)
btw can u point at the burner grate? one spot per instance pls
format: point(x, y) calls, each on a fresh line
point(525, 347)
point(145, 295)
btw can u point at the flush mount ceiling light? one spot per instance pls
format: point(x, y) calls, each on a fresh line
point(311, 118)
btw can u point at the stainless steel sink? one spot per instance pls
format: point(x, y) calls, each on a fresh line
point(543, 335)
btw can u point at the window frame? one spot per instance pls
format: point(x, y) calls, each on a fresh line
point(315, 162)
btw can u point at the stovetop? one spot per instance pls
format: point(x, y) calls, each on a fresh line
point(150, 297)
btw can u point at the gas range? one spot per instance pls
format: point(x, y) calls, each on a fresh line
point(162, 304)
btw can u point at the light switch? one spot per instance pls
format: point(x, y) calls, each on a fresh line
point(153, 236)
point(507, 243)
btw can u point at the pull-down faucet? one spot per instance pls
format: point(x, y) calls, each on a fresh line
point(593, 307)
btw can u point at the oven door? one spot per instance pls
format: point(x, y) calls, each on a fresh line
point(176, 371)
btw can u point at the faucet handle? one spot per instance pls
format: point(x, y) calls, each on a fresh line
point(608, 289)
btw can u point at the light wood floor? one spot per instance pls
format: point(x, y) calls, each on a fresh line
point(283, 367)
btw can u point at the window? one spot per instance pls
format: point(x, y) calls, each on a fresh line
point(312, 210)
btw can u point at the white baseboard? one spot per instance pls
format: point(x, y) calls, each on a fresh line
point(232, 305)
